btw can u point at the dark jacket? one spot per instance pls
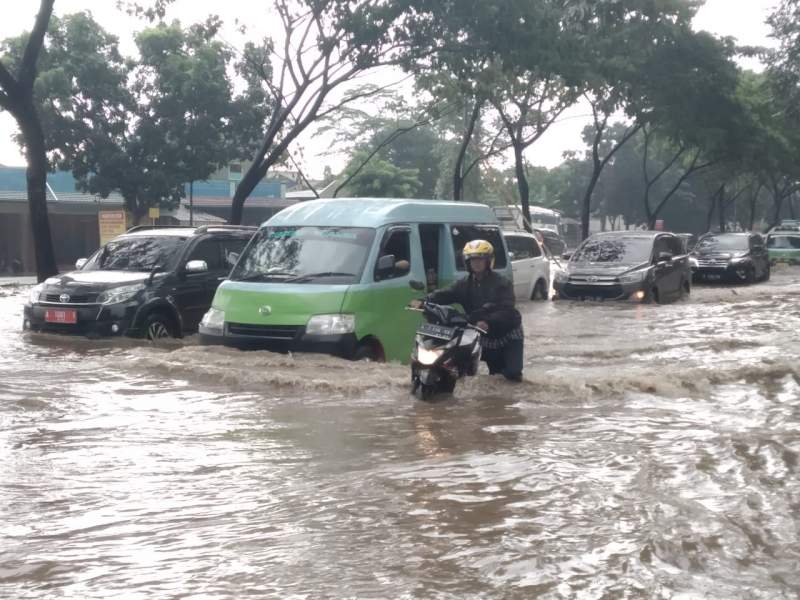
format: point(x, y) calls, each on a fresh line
point(491, 299)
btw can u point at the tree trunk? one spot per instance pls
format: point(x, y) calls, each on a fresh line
point(586, 206)
point(36, 175)
point(722, 209)
point(458, 174)
point(712, 207)
point(243, 190)
point(522, 184)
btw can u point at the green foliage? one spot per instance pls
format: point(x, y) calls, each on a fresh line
point(381, 179)
point(142, 127)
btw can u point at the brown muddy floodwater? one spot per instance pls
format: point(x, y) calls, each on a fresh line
point(652, 452)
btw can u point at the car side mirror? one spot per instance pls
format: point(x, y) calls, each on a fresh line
point(566, 256)
point(664, 257)
point(386, 265)
point(511, 256)
point(196, 266)
point(417, 285)
point(80, 263)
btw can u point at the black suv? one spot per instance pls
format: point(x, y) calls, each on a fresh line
point(152, 282)
point(642, 266)
point(739, 257)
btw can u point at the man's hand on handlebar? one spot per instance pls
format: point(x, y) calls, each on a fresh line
point(416, 304)
point(482, 325)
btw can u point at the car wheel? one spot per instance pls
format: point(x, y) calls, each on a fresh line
point(158, 326)
point(368, 352)
point(539, 291)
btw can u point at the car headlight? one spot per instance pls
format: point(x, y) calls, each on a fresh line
point(213, 319)
point(331, 324)
point(429, 357)
point(33, 296)
point(120, 294)
point(635, 277)
point(739, 259)
point(693, 263)
point(561, 277)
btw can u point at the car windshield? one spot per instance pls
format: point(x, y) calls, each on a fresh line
point(723, 243)
point(139, 253)
point(617, 250)
point(784, 242)
point(306, 255)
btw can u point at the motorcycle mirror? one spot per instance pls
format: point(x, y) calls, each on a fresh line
point(416, 285)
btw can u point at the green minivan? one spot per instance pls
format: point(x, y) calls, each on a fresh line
point(334, 275)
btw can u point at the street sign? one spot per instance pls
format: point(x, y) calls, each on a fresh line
point(112, 223)
point(154, 212)
point(660, 225)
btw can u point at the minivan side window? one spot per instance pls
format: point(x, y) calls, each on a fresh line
point(463, 234)
point(522, 247)
point(397, 243)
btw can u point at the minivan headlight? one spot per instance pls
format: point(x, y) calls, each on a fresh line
point(35, 292)
point(214, 319)
point(561, 277)
point(120, 294)
point(331, 324)
point(635, 277)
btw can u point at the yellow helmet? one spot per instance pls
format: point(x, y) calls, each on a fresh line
point(479, 249)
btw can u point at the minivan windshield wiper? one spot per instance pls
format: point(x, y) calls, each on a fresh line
point(309, 276)
point(266, 276)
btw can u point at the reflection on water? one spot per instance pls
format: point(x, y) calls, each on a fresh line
point(652, 452)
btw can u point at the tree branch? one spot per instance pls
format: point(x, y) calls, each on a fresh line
point(27, 69)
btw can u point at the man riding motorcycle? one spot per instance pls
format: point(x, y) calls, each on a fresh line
point(488, 300)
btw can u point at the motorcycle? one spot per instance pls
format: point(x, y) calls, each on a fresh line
point(447, 347)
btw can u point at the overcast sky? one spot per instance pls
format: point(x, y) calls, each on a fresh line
point(742, 19)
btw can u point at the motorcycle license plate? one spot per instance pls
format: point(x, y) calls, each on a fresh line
point(59, 315)
point(439, 332)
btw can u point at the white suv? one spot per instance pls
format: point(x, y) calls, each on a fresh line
point(530, 264)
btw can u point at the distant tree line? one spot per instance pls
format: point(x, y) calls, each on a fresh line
point(676, 130)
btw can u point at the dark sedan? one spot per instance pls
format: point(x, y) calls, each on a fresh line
point(642, 266)
point(741, 257)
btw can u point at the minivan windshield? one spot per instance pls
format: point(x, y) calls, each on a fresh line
point(305, 255)
point(615, 250)
point(723, 243)
point(784, 242)
point(137, 253)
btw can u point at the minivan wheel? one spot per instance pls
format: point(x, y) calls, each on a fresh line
point(157, 327)
point(368, 352)
point(539, 291)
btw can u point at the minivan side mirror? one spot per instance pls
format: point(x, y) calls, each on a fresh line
point(386, 265)
point(664, 257)
point(196, 266)
point(79, 264)
point(566, 256)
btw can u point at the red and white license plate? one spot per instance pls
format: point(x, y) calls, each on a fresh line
point(67, 316)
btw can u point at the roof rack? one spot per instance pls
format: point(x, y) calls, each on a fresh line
point(205, 228)
point(146, 227)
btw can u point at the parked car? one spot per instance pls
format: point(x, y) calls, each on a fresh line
point(554, 243)
point(152, 282)
point(739, 257)
point(783, 243)
point(530, 266)
point(643, 266)
point(335, 275)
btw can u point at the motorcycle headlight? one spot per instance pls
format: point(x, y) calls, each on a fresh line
point(635, 277)
point(120, 294)
point(214, 319)
point(331, 324)
point(429, 357)
point(33, 296)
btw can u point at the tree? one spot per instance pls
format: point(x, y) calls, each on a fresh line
point(325, 45)
point(18, 98)
point(144, 128)
point(380, 178)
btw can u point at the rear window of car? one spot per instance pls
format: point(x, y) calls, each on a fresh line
point(463, 234)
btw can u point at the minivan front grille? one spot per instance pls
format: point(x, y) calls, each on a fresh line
point(271, 332)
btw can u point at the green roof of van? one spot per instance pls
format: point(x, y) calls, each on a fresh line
point(377, 212)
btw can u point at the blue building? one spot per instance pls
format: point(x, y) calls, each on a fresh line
point(74, 214)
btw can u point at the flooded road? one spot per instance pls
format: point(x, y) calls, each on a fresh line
point(652, 452)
